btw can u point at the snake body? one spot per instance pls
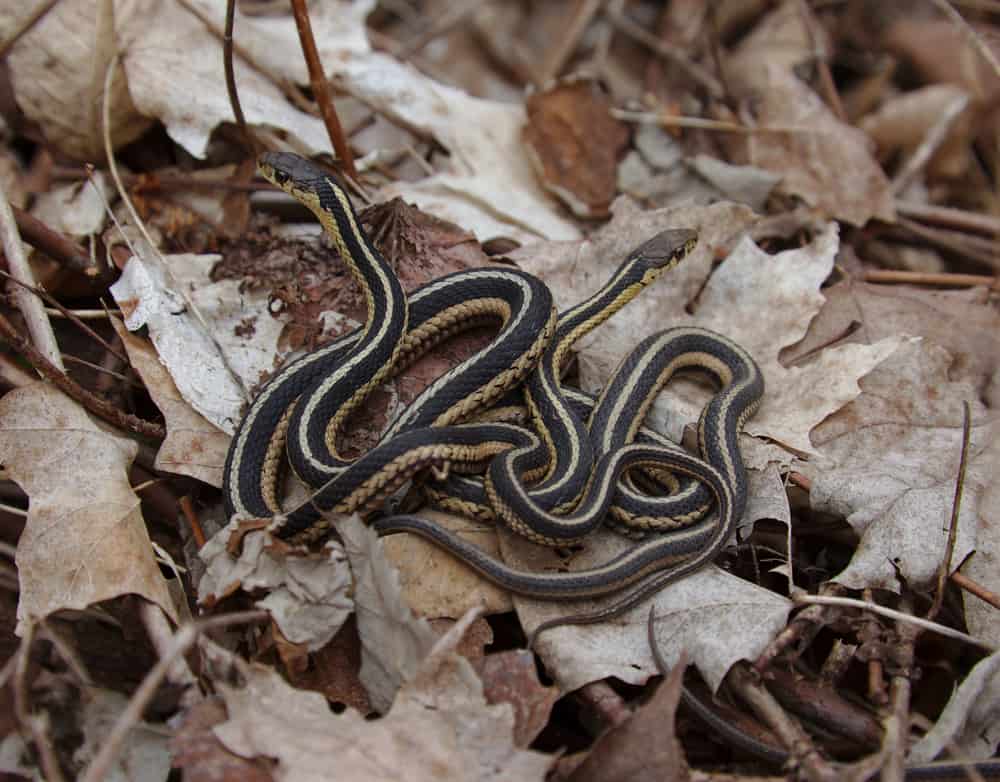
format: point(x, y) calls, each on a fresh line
point(552, 487)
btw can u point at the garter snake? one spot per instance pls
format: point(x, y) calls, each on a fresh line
point(657, 561)
point(565, 459)
point(436, 310)
point(429, 437)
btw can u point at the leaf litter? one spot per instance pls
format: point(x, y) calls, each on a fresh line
point(853, 455)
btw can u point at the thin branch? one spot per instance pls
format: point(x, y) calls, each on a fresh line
point(321, 88)
point(227, 62)
point(179, 644)
point(970, 35)
point(569, 41)
point(46, 296)
point(59, 248)
point(34, 313)
point(930, 144)
point(625, 25)
point(944, 570)
point(934, 627)
point(99, 407)
point(949, 217)
point(931, 278)
point(977, 589)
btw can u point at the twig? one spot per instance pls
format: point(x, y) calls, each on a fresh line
point(970, 35)
point(197, 531)
point(227, 62)
point(820, 57)
point(896, 725)
point(321, 88)
point(36, 724)
point(46, 296)
point(766, 707)
point(568, 42)
point(675, 121)
point(99, 407)
point(30, 21)
point(451, 16)
point(179, 644)
point(944, 569)
point(59, 248)
point(625, 25)
point(985, 251)
point(949, 216)
point(930, 144)
point(977, 589)
point(34, 314)
point(931, 278)
point(848, 602)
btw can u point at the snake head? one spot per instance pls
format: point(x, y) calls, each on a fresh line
point(665, 249)
point(292, 173)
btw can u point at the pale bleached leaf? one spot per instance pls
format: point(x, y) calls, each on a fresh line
point(393, 640)
point(890, 465)
point(440, 728)
point(193, 446)
point(308, 594)
point(85, 539)
point(969, 725)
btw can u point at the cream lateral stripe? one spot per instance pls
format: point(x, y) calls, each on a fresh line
point(413, 409)
point(374, 345)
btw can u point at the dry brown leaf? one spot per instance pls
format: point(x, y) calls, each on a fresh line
point(940, 53)
point(574, 144)
point(904, 121)
point(512, 677)
point(192, 446)
point(440, 728)
point(309, 594)
point(434, 583)
point(962, 321)
point(825, 162)
point(890, 461)
point(57, 70)
point(394, 642)
point(333, 671)
point(85, 539)
point(644, 748)
point(202, 757)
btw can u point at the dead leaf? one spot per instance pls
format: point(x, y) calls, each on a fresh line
point(394, 642)
point(434, 583)
point(144, 756)
point(440, 728)
point(64, 58)
point(890, 464)
point(903, 122)
point(202, 757)
point(85, 539)
point(713, 616)
point(968, 727)
point(512, 677)
point(193, 446)
point(961, 321)
point(309, 594)
point(940, 53)
point(574, 144)
point(644, 748)
point(825, 162)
